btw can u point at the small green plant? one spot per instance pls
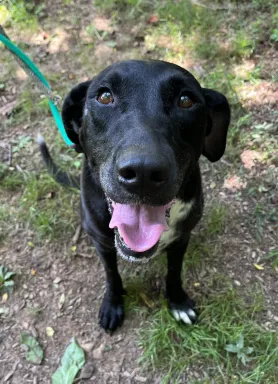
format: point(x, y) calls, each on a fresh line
point(224, 315)
point(274, 35)
point(216, 219)
point(239, 349)
point(6, 283)
point(91, 30)
point(22, 142)
point(23, 14)
point(132, 8)
point(273, 255)
point(34, 352)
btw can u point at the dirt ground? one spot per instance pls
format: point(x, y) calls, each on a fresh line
point(61, 287)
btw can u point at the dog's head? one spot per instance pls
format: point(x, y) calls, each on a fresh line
point(143, 126)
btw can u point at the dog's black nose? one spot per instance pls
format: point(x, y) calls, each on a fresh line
point(143, 174)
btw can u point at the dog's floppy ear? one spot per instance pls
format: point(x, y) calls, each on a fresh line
point(72, 112)
point(217, 125)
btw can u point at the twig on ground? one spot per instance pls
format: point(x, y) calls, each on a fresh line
point(12, 371)
point(77, 234)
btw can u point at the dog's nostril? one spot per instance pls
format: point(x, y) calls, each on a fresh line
point(127, 174)
point(158, 177)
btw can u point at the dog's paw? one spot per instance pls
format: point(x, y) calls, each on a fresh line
point(184, 311)
point(111, 314)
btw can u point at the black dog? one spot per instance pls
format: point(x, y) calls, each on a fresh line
point(142, 126)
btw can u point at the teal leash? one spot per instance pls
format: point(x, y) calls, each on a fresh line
point(33, 71)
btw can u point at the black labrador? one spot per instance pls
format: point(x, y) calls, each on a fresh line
point(142, 126)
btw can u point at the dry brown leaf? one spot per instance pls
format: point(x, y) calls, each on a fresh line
point(102, 24)
point(250, 157)
point(61, 301)
point(233, 183)
point(147, 300)
point(5, 297)
point(7, 108)
point(152, 19)
point(49, 331)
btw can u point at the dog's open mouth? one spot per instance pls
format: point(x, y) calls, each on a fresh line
point(138, 228)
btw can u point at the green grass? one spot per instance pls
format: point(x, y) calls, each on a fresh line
point(4, 216)
point(42, 205)
point(219, 35)
point(219, 41)
point(225, 317)
point(48, 216)
point(273, 256)
point(131, 8)
point(26, 110)
point(21, 14)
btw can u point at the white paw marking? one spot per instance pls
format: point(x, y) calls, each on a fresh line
point(184, 315)
point(191, 313)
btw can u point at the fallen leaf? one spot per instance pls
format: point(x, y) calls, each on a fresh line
point(49, 331)
point(72, 361)
point(61, 301)
point(141, 379)
point(5, 297)
point(234, 183)
point(7, 108)
point(147, 300)
point(33, 271)
point(45, 35)
point(152, 19)
point(250, 157)
point(102, 24)
point(259, 267)
point(35, 351)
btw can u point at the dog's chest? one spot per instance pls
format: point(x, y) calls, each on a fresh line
point(179, 212)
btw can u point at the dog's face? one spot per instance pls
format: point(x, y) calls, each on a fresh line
point(143, 126)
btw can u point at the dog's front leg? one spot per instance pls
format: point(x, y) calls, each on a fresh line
point(181, 306)
point(111, 314)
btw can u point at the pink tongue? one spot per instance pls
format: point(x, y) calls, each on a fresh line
point(140, 225)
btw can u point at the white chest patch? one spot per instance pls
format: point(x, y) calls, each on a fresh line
point(179, 212)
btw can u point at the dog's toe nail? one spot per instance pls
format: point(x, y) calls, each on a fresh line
point(185, 318)
point(176, 315)
point(182, 315)
point(191, 313)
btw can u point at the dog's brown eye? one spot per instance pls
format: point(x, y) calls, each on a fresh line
point(185, 102)
point(105, 98)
